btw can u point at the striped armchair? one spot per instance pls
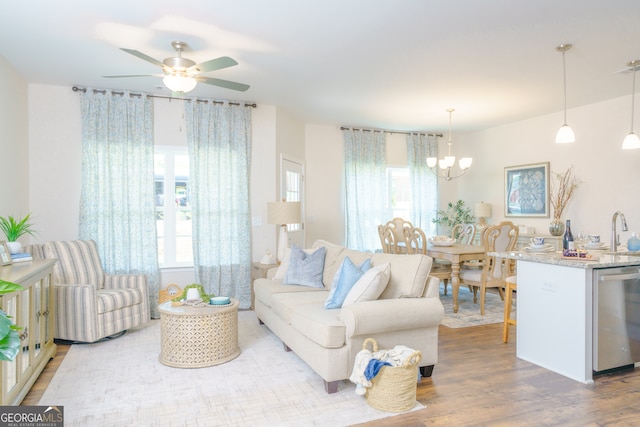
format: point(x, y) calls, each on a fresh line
point(91, 304)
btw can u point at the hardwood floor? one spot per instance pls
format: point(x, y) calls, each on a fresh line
point(479, 381)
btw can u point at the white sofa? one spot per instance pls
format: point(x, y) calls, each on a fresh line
point(408, 312)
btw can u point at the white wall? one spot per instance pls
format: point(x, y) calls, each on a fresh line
point(608, 175)
point(14, 165)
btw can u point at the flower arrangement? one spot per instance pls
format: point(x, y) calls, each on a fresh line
point(563, 192)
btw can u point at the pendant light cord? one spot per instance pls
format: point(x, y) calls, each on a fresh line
point(633, 92)
point(564, 81)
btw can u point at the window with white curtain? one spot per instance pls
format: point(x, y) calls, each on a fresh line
point(399, 187)
point(173, 207)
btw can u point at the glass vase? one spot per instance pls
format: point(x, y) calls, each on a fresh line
point(556, 227)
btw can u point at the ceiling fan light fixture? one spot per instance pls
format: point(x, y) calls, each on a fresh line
point(565, 135)
point(177, 83)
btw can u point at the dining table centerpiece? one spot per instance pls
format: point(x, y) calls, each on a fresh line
point(563, 188)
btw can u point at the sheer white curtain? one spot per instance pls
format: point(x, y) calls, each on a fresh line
point(117, 195)
point(219, 142)
point(365, 187)
point(424, 184)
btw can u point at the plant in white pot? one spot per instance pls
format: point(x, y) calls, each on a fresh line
point(13, 229)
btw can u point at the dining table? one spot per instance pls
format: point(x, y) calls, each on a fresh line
point(456, 254)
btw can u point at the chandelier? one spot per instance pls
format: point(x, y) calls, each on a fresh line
point(445, 164)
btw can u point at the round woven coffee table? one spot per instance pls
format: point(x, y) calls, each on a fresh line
point(195, 337)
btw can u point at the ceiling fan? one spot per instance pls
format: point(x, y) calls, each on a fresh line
point(182, 74)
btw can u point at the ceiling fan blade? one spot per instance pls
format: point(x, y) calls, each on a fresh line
point(143, 56)
point(213, 64)
point(134, 75)
point(223, 83)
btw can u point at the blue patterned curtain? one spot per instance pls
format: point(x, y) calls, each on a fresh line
point(365, 187)
point(117, 196)
point(424, 184)
point(219, 141)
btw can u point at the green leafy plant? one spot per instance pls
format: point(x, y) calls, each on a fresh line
point(454, 214)
point(9, 339)
point(13, 228)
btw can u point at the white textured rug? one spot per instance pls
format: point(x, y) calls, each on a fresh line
point(122, 383)
point(469, 312)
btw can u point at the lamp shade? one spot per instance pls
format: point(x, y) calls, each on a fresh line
point(483, 210)
point(631, 142)
point(284, 213)
point(565, 135)
point(178, 83)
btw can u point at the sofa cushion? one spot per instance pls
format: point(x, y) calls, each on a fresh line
point(409, 274)
point(319, 325)
point(346, 276)
point(370, 286)
point(264, 289)
point(284, 304)
point(305, 269)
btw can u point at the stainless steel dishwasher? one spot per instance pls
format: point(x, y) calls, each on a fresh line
point(616, 318)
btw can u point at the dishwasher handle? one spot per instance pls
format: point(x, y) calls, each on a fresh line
point(622, 276)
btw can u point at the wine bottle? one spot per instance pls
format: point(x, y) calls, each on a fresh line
point(567, 240)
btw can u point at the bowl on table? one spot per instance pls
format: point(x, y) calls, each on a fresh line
point(441, 241)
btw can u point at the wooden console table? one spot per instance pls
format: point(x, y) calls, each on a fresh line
point(33, 310)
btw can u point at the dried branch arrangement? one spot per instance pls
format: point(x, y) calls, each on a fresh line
point(562, 195)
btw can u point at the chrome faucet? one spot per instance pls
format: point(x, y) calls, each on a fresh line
point(614, 234)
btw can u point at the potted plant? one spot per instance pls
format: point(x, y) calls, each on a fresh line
point(9, 339)
point(13, 229)
point(454, 214)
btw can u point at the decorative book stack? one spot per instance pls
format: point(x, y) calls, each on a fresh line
point(21, 257)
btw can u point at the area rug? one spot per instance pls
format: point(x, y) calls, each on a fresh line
point(469, 312)
point(122, 383)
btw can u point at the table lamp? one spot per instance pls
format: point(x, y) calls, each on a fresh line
point(482, 211)
point(283, 213)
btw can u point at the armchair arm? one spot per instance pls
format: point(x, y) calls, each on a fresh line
point(76, 304)
point(388, 315)
point(120, 281)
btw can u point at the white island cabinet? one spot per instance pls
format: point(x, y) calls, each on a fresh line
point(555, 310)
point(554, 318)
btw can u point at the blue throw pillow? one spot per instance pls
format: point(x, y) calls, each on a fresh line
point(305, 269)
point(346, 276)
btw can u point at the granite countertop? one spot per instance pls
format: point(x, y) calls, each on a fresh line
point(599, 259)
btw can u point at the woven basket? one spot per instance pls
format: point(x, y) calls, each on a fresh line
point(168, 293)
point(394, 388)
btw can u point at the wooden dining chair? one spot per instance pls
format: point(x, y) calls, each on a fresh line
point(387, 240)
point(464, 233)
point(511, 285)
point(397, 225)
point(416, 243)
point(498, 238)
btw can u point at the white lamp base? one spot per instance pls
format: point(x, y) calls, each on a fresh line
point(283, 241)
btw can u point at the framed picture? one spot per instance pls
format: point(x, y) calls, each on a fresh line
point(526, 190)
point(5, 255)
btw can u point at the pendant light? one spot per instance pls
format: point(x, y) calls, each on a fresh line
point(565, 133)
point(631, 141)
point(449, 160)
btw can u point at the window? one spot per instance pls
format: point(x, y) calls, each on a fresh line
point(399, 200)
point(173, 210)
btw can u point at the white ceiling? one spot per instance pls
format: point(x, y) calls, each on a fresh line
point(392, 64)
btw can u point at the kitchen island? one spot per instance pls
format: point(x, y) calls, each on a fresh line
point(556, 309)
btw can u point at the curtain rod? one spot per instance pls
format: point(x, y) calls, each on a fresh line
point(84, 89)
point(402, 132)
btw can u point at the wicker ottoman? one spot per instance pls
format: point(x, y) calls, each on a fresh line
point(195, 337)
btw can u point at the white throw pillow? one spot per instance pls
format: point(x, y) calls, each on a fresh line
point(370, 286)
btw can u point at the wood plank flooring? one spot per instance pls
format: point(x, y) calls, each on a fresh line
point(480, 382)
